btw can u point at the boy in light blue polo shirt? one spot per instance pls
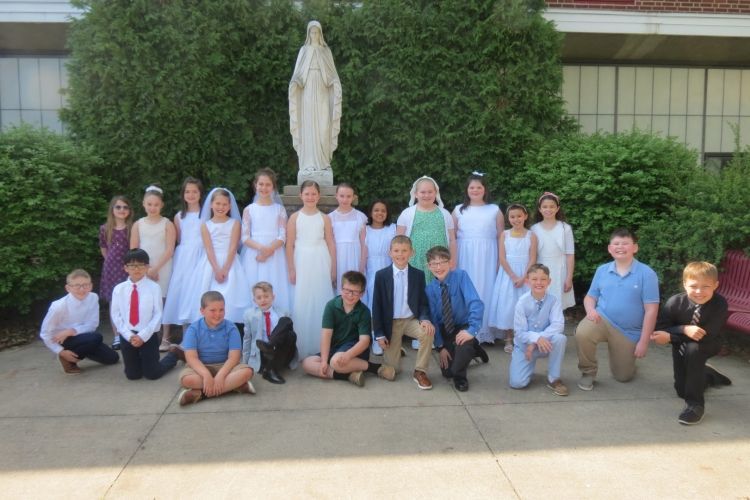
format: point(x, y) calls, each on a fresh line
point(212, 347)
point(621, 308)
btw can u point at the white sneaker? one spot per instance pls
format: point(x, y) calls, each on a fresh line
point(165, 345)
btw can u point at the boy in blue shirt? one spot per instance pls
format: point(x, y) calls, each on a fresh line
point(621, 308)
point(456, 311)
point(538, 324)
point(691, 322)
point(212, 347)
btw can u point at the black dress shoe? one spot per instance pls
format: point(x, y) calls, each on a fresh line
point(715, 378)
point(273, 376)
point(461, 384)
point(482, 354)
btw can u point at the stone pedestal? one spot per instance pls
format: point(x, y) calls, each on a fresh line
point(322, 177)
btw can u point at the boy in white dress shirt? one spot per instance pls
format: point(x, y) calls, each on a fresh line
point(136, 314)
point(69, 328)
point(538, 325)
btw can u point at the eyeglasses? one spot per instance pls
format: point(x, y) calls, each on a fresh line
point(438, 263)
point(135, 266)
point(350, 292)
point(80, 286)
point(121, 207)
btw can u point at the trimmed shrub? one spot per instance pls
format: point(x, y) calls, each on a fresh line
point(51, 205)
point(606, 181)
point(709, 216)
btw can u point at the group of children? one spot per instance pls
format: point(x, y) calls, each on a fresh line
point(450, 282)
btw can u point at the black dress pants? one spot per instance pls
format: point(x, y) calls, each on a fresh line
point(690, 369)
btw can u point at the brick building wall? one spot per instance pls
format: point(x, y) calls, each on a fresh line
point(701, 6)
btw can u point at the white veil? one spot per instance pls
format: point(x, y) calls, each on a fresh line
point(413, 192)
point(206, 209)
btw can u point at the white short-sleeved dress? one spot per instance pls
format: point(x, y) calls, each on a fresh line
point(235, 289)
point(184, 297)
point(153, 239)
point(264, 224)
point(554, 245)
point(476, 238)
point(346, 229)
point(378, 243)
point(313, 288)
point(504, 294)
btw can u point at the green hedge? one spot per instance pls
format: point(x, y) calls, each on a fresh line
point(52, 208)
point(166, 89)
point(606, 181)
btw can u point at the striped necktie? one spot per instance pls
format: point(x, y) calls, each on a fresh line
point(447, 309)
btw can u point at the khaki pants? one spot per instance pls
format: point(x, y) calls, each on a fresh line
point(621, 350)
point(409, 327)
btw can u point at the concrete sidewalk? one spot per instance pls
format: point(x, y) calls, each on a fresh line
point(97, 435)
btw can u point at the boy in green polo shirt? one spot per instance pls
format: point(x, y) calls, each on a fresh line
point(345, 337)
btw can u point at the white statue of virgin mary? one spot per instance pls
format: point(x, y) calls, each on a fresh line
point(315, 108)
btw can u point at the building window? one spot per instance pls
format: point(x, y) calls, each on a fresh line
point(30, 91)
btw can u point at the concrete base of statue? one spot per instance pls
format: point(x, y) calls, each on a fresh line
point(322, 177)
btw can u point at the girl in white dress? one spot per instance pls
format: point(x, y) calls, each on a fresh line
point(311, 261)
point(517, 252)
point(184, 287)
point(156, 235)
point(477, 226)
point(349, 234)
point(378, 235)
point(263, 236)
point(556, 247)
point(221, 269)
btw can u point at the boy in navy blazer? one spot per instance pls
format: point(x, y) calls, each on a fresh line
point(400, 307)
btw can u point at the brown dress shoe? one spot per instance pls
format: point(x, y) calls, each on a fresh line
point(190, 396)
point(68, 367)
point(423, 382)
point(178, 352)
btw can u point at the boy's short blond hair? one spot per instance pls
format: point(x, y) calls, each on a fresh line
point(698, 270)
point(401, 239)
point(211, 296)
point(264, 286)
point(77, 273)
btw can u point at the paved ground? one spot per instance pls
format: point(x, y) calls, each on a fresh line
point(97, 435)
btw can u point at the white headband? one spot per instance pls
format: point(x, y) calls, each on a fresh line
point(154, 188)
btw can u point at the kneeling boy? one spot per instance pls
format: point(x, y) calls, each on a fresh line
point(212, 348)
point(457, 315)
point(345, 337)
point(691, 322)
point(136, 315)
point(538, 324)
point(69, 328)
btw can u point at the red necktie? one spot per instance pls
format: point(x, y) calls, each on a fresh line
point(267, 315)
point(134, 306)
